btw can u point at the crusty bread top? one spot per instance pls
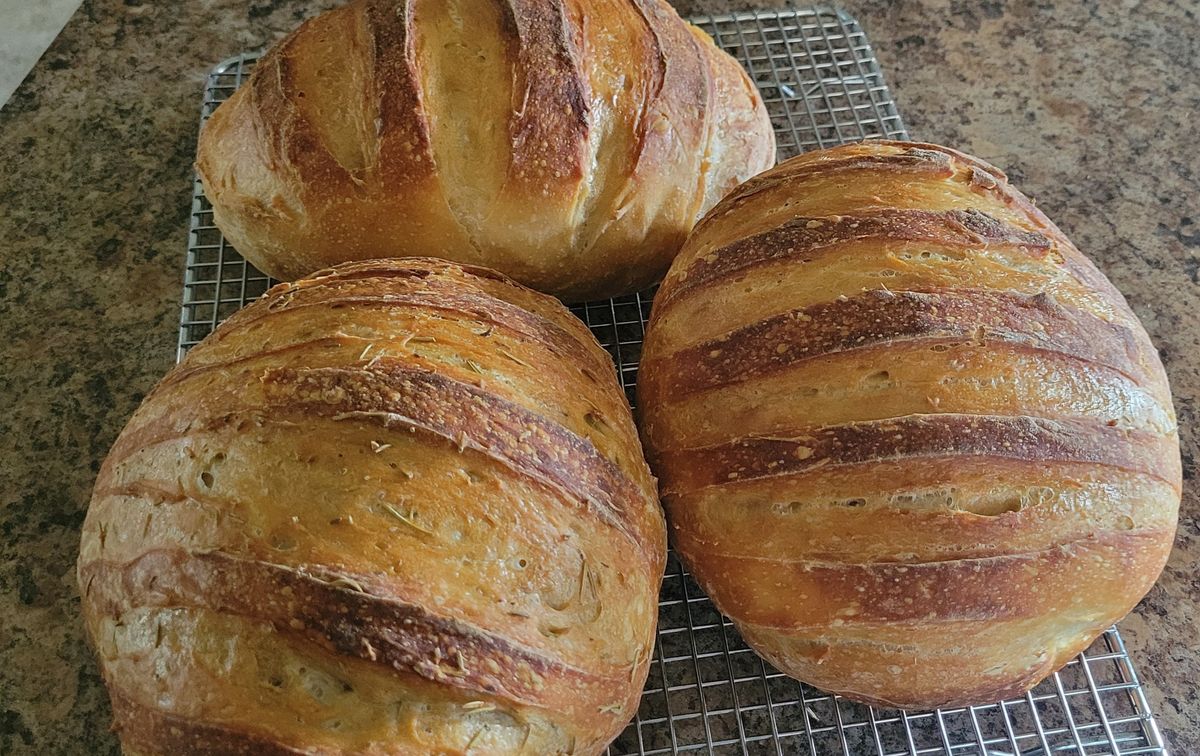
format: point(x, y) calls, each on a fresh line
point(420, 478)
point(569, 144)
point(910, 438)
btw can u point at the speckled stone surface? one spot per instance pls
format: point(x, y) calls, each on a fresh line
point(1089, 108)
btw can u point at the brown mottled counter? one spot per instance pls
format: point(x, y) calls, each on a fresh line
point(1089, 109)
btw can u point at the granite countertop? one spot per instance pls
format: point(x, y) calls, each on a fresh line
point(1089, 109)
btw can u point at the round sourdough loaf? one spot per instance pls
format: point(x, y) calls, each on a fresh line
point(397, 507)
point(570, 144)
point(910, 439)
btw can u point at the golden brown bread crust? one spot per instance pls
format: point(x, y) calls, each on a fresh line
point(418, 480)
point(883, 316)
point(911, 440)
point(569, 144)
point(146, 730)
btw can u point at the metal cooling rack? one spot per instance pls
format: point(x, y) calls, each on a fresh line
point(707, 691)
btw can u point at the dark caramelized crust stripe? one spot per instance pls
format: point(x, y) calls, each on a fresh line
point(183, 373)
point(431, 293)
point(807, 238)
point(987, 589)
point(548, 139)
point(428, 271)
point(147, 729)
point(879, 317)
point(677, 57)
point(920, 436)
point(529, 444)
point(404, 151)
point(472, 277)
point(327, 608)
point(929, 164)
point(273, 93)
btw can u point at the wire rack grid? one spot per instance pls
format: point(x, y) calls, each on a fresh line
point(708, 692)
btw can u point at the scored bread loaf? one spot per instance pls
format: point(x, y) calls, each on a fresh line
point(397, 507)
point(909, 438)
point(570, 144)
